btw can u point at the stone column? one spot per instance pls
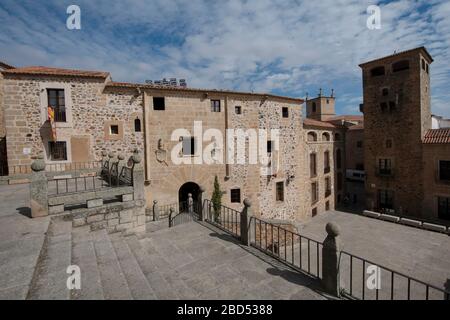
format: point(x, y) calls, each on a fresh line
point(138, 177)
point(171, 211)
point(201, 212)
point(245, 226)
point(155, 211)
point(38, 189)
point(332, 247)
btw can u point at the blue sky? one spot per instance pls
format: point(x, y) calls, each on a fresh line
point(287, 47)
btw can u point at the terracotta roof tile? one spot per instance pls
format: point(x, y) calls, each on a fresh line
point(437, 136)
point(316, 123)
point(5, 66)
point(349, 117)
point(113, 84)
point(37, 70)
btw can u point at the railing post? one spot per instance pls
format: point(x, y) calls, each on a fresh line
point(245, 226)
point(332, 247)
point(155, 211)
point(170, 217)
point(120, 164)
point(138, 176)
point(200, 203)
point(38, 189)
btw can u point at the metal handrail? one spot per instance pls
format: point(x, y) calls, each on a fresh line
point(228, 219)
point(410, 280)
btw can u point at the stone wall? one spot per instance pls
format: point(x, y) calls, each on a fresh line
point(127, 217)
point(404, 126)
point(91, 110)
point(433, 187)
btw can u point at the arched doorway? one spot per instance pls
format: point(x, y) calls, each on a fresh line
point(189, 187)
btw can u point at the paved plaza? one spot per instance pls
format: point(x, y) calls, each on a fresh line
point(191, 261)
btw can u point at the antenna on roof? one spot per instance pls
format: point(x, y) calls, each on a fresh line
point(332, 93)
point(306, 98)
point(320, 92)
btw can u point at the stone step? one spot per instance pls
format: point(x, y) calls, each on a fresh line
point(114, 284)
point(83, 255)
point(50, 276)
point(137, 282)
point(161, 288)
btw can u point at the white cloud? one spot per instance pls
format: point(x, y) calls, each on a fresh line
point(288, 47)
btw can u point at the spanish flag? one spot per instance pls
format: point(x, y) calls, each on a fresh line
point(51, 118)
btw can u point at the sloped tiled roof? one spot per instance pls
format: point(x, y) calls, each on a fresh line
point(349, 117)
point(47, 71)
point(422, 49)
point(437, 136)
point(113, 84)
point(316, 123)
point(5, 66)
point(357, 127)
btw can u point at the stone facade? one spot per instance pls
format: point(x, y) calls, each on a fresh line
point(397, 115)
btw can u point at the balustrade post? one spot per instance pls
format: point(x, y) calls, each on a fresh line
point(201, 213)
point(332, 247)
point(245, 225)
point(155, 211)
point(38, 189)
point(170, 217)
point(138, 176)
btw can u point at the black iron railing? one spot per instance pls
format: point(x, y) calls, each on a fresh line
point(90, 183)
point(295, 250)
point(226, 218)
point(365, 280)
point(186, 213)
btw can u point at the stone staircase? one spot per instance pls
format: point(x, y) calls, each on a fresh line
point(184, 262)
point(113, 267)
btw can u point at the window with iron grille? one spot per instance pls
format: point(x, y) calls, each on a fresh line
point(386, 199)
point(58, 150)
point(137, 125)
point(314, 192)
point(235, 195)
point(285, 112)
point(188, 146)
point(269, 146)
point(326, 161)
point(444, 208)
point(327, 186)
point(312, 165)
point(56, 100)
point(280, 191)
point(215, 105)
point(444, 170)
point(385, 166)
point(238, 109)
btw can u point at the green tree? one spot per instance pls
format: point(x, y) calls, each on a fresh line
point(216, 198)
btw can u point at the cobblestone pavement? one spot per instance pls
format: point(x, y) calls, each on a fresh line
point(421, 254)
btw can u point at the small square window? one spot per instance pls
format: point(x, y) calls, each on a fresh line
point(159, 103)
point(280, 191)
point(285, 112)
point(388, 143)
point(58, 150)
point(238, 109)
point(114, 129)
point(215, 105)
point(235, 195)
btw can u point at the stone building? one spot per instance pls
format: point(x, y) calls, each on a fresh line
point(406, 161)
point(3, 157)
point(94, 114)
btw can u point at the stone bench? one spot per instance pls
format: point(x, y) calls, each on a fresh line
point(371, 214)
point(411, 222)
point(434, 227)
point(389, 218)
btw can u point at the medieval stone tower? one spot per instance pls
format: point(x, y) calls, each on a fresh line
point(321, 108)
point(396, 116)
